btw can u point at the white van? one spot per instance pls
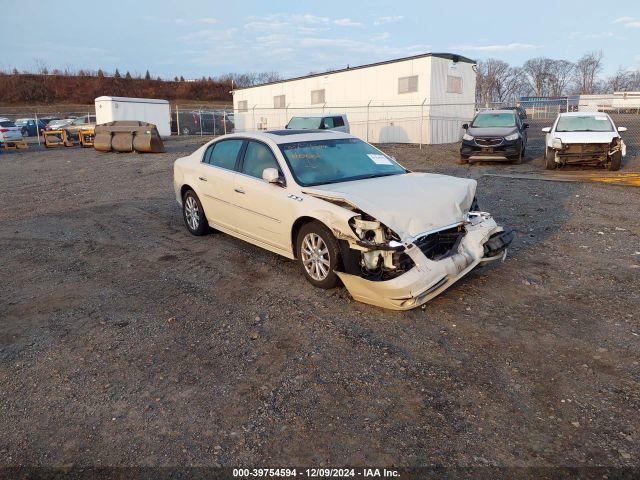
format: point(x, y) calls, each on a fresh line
point(327, 121)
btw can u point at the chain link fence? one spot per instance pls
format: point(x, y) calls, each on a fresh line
point(376, 122)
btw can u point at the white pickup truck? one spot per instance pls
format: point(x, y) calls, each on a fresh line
point(325, 121)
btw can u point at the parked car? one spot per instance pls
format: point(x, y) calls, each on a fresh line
point(584, 138)
point(9, 132)
point(520, 110)
point(494, 135)
point(86, 122)
point(338, 122)
point(46, 121)
point(213, 122)
point(28, 126)
point(344, 209)
point(59, 123)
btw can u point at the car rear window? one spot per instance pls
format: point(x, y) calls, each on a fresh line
point(7, 124)
point(586, 123)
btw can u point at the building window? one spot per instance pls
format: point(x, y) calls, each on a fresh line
point(243, 106)
point(278, 101)
point(408, 84)
point(454, 84)
point(317, 96)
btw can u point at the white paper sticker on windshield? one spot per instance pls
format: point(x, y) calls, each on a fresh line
point(601, 117)
point(379, 159)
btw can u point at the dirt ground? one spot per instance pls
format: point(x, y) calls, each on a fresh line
point(126, 341)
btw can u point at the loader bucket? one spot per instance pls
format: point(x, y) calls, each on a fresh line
point(127, 136)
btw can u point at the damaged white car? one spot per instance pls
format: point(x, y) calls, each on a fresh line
point(584, 138)
point(344, 209)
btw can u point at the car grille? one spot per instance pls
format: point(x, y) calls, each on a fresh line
point(488, 141)
point(442, 244)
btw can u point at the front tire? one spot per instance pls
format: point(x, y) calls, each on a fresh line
point(319, 255)
point(615, 161)
point(549, 159)
point(193, 214)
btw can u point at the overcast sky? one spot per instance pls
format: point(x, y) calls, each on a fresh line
point(196, 38)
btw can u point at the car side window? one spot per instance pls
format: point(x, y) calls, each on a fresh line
point(328, 122)
point(257, 157)
point(225, 153)
point(206, 158)
point(338, 122)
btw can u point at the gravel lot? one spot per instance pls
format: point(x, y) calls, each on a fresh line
point(126, 341)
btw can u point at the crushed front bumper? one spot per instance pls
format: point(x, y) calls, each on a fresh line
point(483, 242)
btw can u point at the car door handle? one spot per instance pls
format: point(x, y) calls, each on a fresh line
point(204, 179)
point(238, 190)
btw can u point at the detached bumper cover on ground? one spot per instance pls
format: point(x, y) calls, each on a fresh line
point(482, 241)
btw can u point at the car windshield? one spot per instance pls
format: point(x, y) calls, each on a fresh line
point(304, 123)
point(338, 160)
point(489, 120)
point(21, 122)
point(586, 123)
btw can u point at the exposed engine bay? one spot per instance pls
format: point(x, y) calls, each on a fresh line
point(587, 153)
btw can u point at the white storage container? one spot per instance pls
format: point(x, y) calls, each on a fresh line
point(150, 110)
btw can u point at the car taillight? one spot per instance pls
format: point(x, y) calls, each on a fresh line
point(3, 130)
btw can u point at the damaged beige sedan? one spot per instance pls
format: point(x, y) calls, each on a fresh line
point(343, 209)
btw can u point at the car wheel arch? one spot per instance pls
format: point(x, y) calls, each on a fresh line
point(184, 189)
point(295, 228)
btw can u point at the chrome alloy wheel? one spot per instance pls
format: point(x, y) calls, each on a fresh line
point(192, 213)
point(315, 256)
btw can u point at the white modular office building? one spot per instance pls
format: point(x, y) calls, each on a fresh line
point(419, 99)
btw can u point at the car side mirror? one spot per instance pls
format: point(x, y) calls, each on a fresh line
point(465, 126)
point(271, 175)
point(622, 129)
point(525, 125)
point(546, 129)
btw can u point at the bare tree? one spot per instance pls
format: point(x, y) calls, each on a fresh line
point(561, 73)
point(623, 81)
point(497, 81)
point(537, 71)
point(586, 72)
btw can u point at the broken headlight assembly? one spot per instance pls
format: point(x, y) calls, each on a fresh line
point(378, 253)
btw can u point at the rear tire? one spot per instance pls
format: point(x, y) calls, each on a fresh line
point(615, 161)
point(319, 255)
point(549, 159)
point(193, 214)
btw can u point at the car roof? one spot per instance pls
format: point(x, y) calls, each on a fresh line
point(291, 136)
point(320, 115)
point(582, 114)
point(497, 111)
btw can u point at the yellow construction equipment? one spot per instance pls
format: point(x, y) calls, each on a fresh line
point(86, 137)
point(54, 138)
point(127, 136)
point(14, 145)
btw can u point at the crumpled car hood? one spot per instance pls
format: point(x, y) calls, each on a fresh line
point(585, 137)
point(409, 204)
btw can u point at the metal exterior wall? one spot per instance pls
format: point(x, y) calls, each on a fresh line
point(370, 98)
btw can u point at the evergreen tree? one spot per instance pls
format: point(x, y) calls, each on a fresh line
point(128, 75)
point(117, 74)
point(147, 76)
point(100, 73)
